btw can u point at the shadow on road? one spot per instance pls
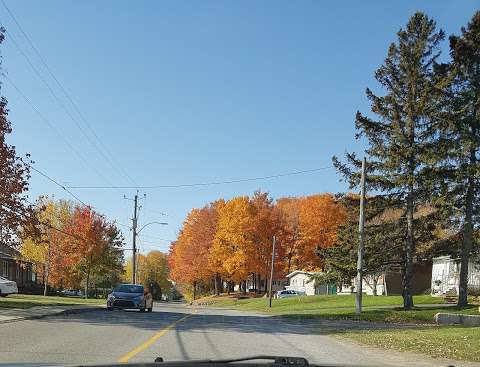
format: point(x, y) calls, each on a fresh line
point(221, 320)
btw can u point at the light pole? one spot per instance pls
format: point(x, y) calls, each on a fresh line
point(134, 256)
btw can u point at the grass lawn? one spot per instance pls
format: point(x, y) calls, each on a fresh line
point(452, 342)
point(27, 301)
point(380, 308)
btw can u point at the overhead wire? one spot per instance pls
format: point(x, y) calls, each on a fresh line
point(210, 183)
point(57, 99)
point(57, 183)
point(52, 126)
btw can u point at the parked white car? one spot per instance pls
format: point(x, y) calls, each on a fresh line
point(286, 293)
point(7, 287)
point(71, 293)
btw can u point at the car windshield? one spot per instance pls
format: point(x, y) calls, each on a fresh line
point(207, 180)
point(129, 288)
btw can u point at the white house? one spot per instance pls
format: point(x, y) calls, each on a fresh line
point(299, 281)
point(367, 286)
point(446, 275)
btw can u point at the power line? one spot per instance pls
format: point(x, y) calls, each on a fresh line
point(49, 124)
point(56, 183)
point(54, 95)
point(211, 183)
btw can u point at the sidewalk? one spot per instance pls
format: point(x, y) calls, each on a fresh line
point(18, 314)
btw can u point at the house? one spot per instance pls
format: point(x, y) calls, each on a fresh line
point(446, 275)
point(368, 286)
point(260, 284)
point(300, 282)
point(389, 283)
point(14, 267)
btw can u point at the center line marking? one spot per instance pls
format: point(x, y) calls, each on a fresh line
point(150, 341)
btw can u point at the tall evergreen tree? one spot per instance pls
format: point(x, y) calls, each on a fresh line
point(460, 124)
point(399, 139)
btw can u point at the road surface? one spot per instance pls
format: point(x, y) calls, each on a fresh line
point(179, 332)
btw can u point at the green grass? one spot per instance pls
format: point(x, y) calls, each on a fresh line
point(27, 301)
point(377, 309)
point(459, 343)
point(306, 303)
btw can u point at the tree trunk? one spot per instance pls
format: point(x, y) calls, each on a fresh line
point(244, 284)
point(375, 282)
point(467, 235)
point(409, 247)
point(215, 285)
point(86, 284)
point(194, 290)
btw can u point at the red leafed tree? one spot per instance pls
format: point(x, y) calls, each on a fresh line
point(86, 243)
point(14, 175)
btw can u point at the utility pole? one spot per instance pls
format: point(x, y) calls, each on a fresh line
point(361, 241)
point(134, 240)
point(271, 273)
point(49, 255)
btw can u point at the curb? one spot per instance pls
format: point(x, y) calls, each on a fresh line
point(63, 312)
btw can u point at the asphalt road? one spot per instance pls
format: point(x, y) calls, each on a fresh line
point(178, 332)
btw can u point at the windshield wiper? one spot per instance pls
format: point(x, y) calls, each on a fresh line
point(277, 360)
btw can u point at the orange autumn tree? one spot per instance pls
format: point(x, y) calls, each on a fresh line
point(319, 219)
point(233, 243)
point(189, 255)
point(87, 242)
point(266, 224)
point(289, 212)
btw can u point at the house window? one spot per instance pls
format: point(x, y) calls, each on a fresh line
point(303, 283)
point(5, 269)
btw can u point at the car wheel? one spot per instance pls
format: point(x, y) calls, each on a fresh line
point(110, 308)
point(149, 309)
point(142, 310)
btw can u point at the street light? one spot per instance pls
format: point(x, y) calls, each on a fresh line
point(135, 233)
point(161, 223)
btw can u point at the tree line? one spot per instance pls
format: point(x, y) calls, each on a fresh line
point(230, 241)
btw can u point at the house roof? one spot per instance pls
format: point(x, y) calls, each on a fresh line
point(293, 273)
point(9, 253)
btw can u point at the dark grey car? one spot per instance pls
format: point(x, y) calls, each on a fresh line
point(129, 296)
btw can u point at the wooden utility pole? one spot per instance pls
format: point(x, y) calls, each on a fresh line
point(271, 273)
point(49, 255)
point(134, 241)
point(361, 241)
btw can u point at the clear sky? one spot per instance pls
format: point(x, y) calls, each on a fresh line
point(193, 91)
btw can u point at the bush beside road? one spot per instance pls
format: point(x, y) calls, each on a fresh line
point(28, 301)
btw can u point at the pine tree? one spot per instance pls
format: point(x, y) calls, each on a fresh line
point(461, 132)
point(399, 139)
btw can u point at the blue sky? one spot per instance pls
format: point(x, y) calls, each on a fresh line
point(190, 91)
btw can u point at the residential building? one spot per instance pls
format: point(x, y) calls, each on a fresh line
point(14, 267)
point(389, 283)
point(300, 282)
point(446, 275)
